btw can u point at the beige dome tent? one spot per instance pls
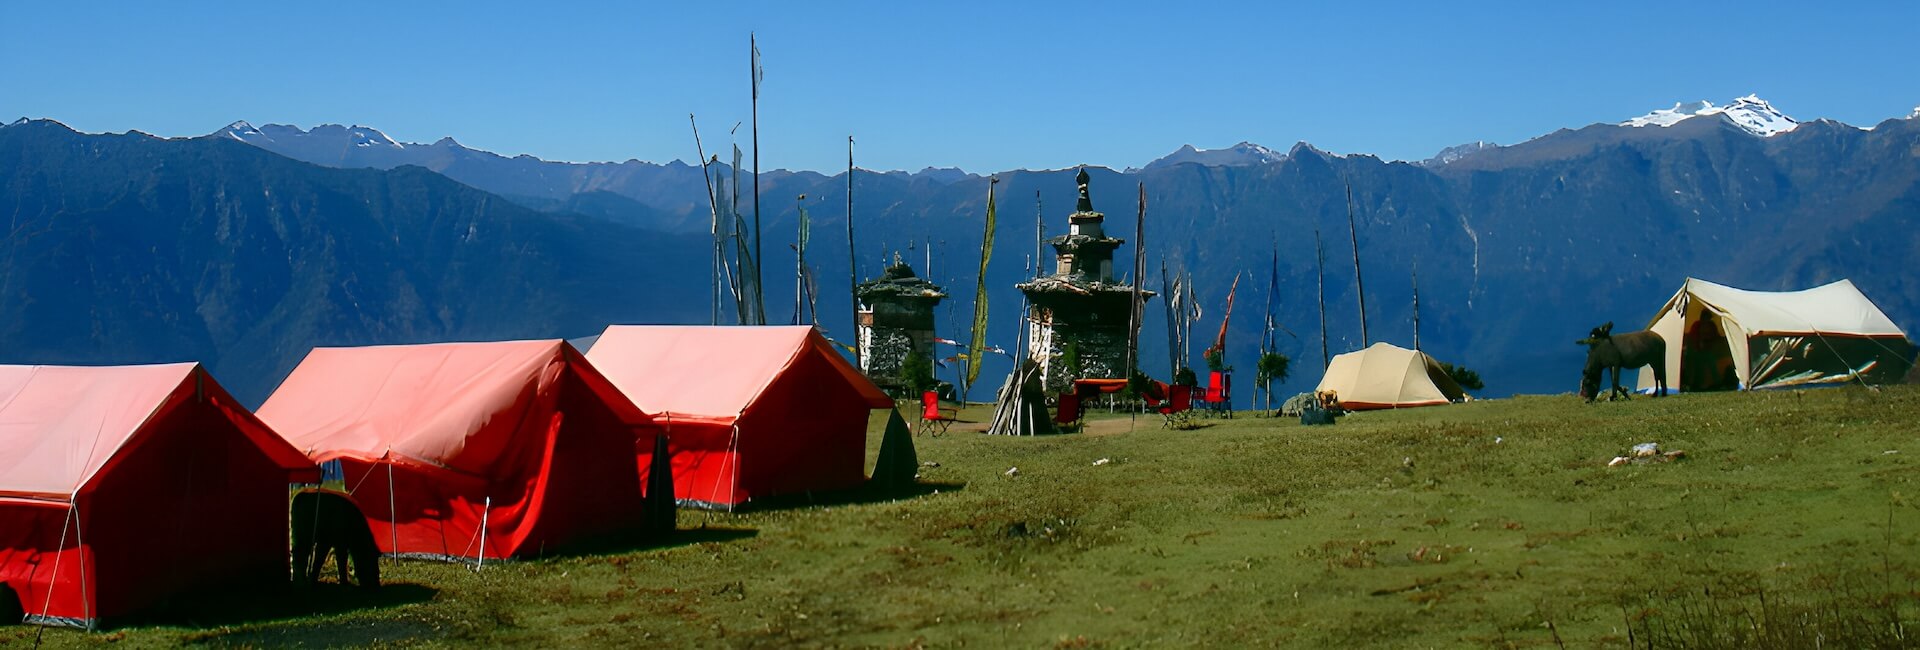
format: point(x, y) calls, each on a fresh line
point(1387, 376)
point(1722, 338)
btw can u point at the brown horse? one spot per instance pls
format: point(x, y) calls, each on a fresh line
point(327, 522)
point(1606, 350)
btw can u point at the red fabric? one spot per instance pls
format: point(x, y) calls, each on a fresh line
point(751, 411)
point(1376, 406)
point(221, 518)
point(929, 406)
point(1179, 398)
point(1069, 410)
point(1090, 386)
point(522, 439)
point(1216, 386)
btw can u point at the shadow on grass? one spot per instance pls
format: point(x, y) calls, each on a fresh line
point(261, 603)
point(1193, 425)
point(325, 634)
point(859, 495)
point(635, 544)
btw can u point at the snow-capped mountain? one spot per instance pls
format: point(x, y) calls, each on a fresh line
point(23, 120)
point(325, 136)
point(1239, 155)
point(1751, 113)
point(1457, 152)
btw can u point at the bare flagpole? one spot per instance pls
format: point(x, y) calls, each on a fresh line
point(1320, 256)
point(759, 296)
point(1359, 288)
point(1134, 305)
point(713, 207)
point(1416, 305)
point(853, 264)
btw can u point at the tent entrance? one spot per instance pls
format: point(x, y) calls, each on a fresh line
point(1794, 360)
point(1706, 358)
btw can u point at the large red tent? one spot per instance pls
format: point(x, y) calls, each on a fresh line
point(755, 411)
point(471, 450)
point(121, 486)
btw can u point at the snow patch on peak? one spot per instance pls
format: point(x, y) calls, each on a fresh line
point(23, 120)
point(1244, 154)
point(1672, 116)
point(1457, 152)
point(239, 130)
point(364, 136)
point(1750, 113)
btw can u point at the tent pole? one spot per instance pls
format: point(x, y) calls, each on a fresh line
point(393, 510)
point(80, 538)
point(734, 450)
point(487, 510)
point(73, 514)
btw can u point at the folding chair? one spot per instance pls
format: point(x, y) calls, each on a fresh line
point(1178, 407)
point(933, 419)
point(1218, 393)
point(1222, 403)
point(1068, 414)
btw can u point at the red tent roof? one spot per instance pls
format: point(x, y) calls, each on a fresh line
point(124, 486)
point(450, 405)
point(60, 426)
point(752, 411)
point(714, 372)
point(502, 448)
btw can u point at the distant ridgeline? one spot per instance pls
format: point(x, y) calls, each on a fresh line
point(129, 248)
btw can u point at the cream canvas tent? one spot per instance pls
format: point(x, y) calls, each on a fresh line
point(1722, 338)
point(1387, 376)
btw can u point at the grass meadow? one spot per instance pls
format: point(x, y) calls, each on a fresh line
point(1793, 521)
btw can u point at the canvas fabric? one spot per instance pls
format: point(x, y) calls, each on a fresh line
point(752, 411)
point(123, 486)
point(1825, 335)
point(472, 450)
point(1385, 376)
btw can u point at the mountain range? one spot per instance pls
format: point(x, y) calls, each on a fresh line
point(130, 248)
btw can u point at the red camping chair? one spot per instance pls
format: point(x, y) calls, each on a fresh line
point(933, 419)
point(1219, 398)
point(1178, 407)
point(1068, 414)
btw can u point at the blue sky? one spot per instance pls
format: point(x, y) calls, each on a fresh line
point(985, 86)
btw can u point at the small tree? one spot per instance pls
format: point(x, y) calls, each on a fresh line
point(916, 373)
point(1185, 377)
point(1467, 379)
point(1273, 367)
point(1140, 385)
point(1216, 360)
point(1070, 360)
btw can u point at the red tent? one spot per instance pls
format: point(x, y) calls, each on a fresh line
point(523, 440)
point(121, 486)
point(755, 411)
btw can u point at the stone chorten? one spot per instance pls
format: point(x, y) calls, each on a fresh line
point(1080, 304)
point(896, 316)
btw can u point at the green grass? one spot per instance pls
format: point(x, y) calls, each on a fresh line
point(1494, 523)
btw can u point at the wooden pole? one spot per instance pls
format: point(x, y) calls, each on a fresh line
point(1359, 288)
point(1320, 255)
point(853, 265)
point(1134, 306)
point(714, 209)
point(1416, 306)
point(759, 294)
